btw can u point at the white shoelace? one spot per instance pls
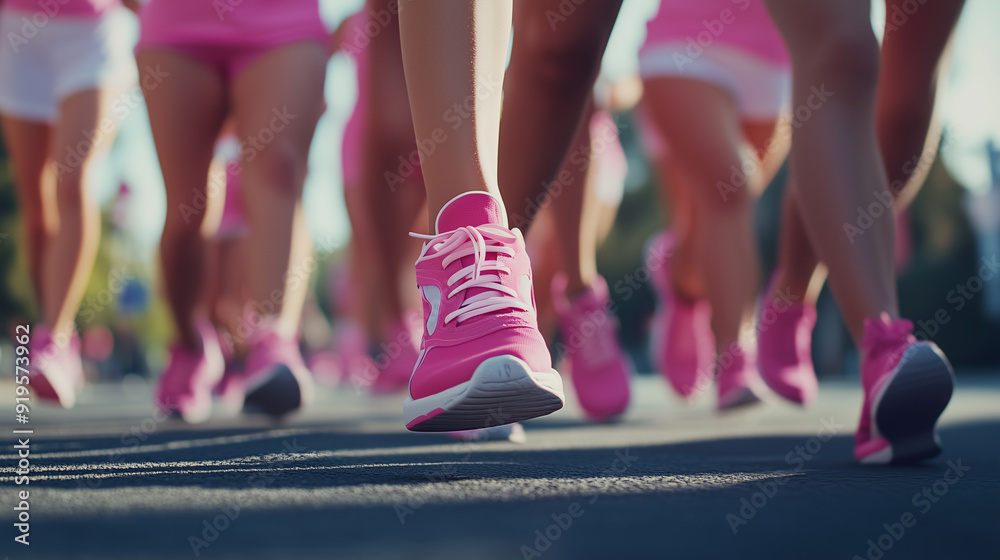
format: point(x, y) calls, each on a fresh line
point(477, 242)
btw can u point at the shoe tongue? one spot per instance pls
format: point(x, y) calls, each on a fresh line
point(471, 209)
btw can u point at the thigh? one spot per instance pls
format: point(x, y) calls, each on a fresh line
point(701, 123)
point(562, 25)
point(914, 40)
point(186, 111)
point(819, 24)
point(278, 99)
point(81, 132)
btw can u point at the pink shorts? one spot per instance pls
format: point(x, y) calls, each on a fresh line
point(228, 35)
point(742, 25)
point(68, 8)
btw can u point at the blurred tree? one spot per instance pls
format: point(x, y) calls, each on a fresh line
point(13, 306)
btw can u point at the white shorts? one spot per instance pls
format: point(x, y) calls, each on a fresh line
point(762, 89)
point(44, 60)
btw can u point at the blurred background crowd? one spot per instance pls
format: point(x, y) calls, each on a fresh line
point(950, 232)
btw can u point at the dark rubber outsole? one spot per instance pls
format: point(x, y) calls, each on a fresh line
point(911, 404)
point(503, 390)
point(280, 395)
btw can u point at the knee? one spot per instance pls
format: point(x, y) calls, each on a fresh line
point(845, 58)
point(726, 185)
point(562, 63)
point(280, 167)
point(35, 227)
point(727, 197)
point(70, 195)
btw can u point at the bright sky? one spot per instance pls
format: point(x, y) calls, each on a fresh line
point(969, 110)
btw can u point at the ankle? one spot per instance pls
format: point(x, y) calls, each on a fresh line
point(577, 286)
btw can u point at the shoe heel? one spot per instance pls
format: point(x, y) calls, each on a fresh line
point(909, 409)
point(279, 395)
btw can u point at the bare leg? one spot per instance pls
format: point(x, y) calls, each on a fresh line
point(838, 76)
point(702, 124)
point(467, 65)
point(552, 70)
point(184, 147)
point(69, 258)
point(685, 263)
point(276, 104)
point(907, 86)
point(392, 200)
point(577, 213)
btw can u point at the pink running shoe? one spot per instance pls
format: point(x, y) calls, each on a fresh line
point(482, 360)
point(185, 388)
point(56, 371)
point(683, 342)
point(600, 372)
point(907, 385)
point(736, 378)
point(395, 359)
point(784, 345)
point(277, 380)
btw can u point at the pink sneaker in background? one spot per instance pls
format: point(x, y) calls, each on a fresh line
point(185, 388)
point(483, 361)
point(598, 367)
point(277, 380)
point(513, 433)
point(683, 345)
point(784, 345)
point(56, 372)
point(736, 378)
point(907, 386)
point(395, 358)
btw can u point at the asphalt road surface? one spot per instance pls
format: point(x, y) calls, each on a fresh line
point(110, 479)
